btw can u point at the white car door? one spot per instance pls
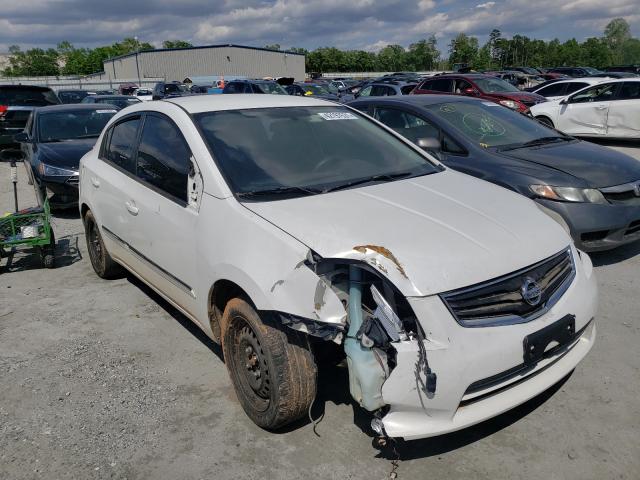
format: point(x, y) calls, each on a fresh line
point(166, 200)
point(108, 178)
point(585, 113)
point(624, 112)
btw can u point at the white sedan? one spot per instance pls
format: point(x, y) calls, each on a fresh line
point(279, 224)
point(607, 109)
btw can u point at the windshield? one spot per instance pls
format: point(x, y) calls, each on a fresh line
point(315, 89)
point(25, 96)
point(72, 97)
point(272, 88)
point(530, 71)
point(491, 125)
point(317, 148)
point(494, 85)
point(58, 126)
point(143, 92)
point(592, 71)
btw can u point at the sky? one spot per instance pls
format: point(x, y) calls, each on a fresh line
point(346, 24)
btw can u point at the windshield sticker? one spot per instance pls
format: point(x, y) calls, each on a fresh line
point(447, 108)
point(483, 125)
point(490, 104)
point(338, 116)
point(106, 111)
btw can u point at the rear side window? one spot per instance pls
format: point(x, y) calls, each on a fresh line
point(122, 144)
point(407, 89)
point(25, 96)
point(163, 157)
point(629, 91)
point(440, 85)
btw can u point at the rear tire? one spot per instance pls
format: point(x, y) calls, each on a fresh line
point(271, 366)
point(102, 263)
point(546, 121)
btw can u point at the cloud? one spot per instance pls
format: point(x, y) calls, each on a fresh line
point(356, 24)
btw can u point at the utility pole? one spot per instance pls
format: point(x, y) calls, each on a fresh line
point(137, 65)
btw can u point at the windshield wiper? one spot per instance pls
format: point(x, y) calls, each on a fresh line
point(90, 135)
point(538, 141)
point(374, 178)
point(280, 191)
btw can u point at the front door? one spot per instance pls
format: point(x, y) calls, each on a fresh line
point(585, 113)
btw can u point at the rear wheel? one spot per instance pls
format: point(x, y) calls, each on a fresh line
point(271, 366)
point(545, 121)
point(103, 264)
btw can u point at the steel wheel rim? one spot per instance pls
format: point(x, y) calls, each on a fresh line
point(250, 365)
point(95, 247)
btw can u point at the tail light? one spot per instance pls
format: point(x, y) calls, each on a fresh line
point(3, 110)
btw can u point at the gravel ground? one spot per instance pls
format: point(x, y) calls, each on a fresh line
point(102, 379)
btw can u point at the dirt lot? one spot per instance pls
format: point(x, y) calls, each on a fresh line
point(102, 379)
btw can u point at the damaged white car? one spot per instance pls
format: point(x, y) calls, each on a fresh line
point(279, 223)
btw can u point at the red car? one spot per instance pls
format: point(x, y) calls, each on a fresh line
point(480, 86)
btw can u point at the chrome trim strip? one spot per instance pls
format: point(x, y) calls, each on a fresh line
point(625, 187)
point(161, 271)
point(514, 319)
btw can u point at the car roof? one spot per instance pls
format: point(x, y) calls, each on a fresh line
point(111, 96)
point(592, 80)
point(212, 103)
point(66, 107)
point(419, 100)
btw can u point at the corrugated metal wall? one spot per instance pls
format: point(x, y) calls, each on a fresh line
point(179, 64)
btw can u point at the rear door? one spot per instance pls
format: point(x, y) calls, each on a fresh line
point(586, 112)
point(623, 120)
point(110, 179)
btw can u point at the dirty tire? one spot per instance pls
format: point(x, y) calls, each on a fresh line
point(103, 264)
point(546, 121)
point(285, 383)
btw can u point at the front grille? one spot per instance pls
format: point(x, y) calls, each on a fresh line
point(501, 301)
point(73, 180)
point(626, 194)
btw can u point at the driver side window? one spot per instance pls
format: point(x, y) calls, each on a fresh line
point(598, 93)
point(365, 92)
point(406, 124)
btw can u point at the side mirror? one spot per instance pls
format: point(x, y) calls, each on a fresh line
point(430, 143)
point(22, 137)
point(564, 101)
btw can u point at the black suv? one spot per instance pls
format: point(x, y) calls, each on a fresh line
point(16, 104)
point(169, 90)
point(254, 86)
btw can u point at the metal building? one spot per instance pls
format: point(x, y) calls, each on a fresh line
point(178, 63)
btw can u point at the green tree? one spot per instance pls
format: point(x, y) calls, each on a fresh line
point(33, 62)
point(463, 49)
point(176, 44)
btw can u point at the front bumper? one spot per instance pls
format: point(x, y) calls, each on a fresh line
point(596, 227)
point(462, 357)
point(62, 190)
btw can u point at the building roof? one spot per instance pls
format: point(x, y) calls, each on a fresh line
point(229, 45)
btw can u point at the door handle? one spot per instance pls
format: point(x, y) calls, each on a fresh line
point(95, 182)
point(131, 208)
point(601, 107)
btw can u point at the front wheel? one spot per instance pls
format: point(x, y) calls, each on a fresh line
point(271, 366)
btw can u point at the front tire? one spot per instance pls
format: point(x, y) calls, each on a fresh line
point(271, 366)
point(102, 263)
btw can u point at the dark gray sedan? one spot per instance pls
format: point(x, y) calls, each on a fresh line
point(592, 189)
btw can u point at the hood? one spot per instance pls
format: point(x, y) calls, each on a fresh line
point(596, 165)
point(427, 234)
point(65, 154)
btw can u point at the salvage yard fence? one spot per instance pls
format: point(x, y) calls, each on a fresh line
point(88, 83)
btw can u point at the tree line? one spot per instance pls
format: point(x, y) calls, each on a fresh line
point(615, 47)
